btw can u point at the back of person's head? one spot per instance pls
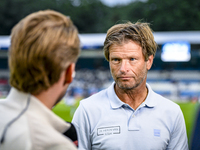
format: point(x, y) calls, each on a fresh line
point(138, 32)
point(43, 44)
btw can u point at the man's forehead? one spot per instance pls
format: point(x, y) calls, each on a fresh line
point(125, 46)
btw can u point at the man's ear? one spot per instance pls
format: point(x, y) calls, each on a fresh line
point(149, 62)
point(69, 73)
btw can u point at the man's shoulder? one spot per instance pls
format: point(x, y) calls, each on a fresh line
point(164, 100)
point(17, 135)
point(8, 112)
point(165, 103)
point(161, 101)
point(48, 139)
point(44, 135)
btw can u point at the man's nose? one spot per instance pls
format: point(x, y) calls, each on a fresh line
point(124, 66)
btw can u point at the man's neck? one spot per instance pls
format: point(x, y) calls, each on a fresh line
point(50, 96)
point(134, 97)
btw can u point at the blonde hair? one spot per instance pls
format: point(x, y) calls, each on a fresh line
point(138, 32)
point(43, 44)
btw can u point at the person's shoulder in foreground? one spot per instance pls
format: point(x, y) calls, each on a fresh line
point(128, 114)
point(37, 128)
point(42, 56)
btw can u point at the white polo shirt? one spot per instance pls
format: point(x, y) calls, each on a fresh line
point(38, 128)
point(104, 122)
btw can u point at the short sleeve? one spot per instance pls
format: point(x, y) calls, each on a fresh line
point(178, 138)
point(82, 125)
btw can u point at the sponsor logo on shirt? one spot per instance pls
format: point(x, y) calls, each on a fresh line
point(108, 130)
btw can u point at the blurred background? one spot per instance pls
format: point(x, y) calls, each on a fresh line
point(175, 73)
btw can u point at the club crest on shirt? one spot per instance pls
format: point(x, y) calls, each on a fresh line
point(108, 130)
point(156, 132)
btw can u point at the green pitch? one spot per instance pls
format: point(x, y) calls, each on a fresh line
point(189, 111)
point(64, 111)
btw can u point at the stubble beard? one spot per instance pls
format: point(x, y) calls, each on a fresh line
point(130, 86)
point(127, 87)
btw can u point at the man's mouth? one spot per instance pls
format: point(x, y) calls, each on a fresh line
point(124, 77)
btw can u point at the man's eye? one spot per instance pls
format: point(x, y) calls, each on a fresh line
point(132, 59)
point(115, 59)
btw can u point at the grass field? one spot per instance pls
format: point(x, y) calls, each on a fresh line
point(64, 111)
point(189, 111)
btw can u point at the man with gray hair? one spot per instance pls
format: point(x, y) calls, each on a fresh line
point(129, 115)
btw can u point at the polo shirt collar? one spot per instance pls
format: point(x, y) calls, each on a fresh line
point(115, 102)
point(150, 100)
